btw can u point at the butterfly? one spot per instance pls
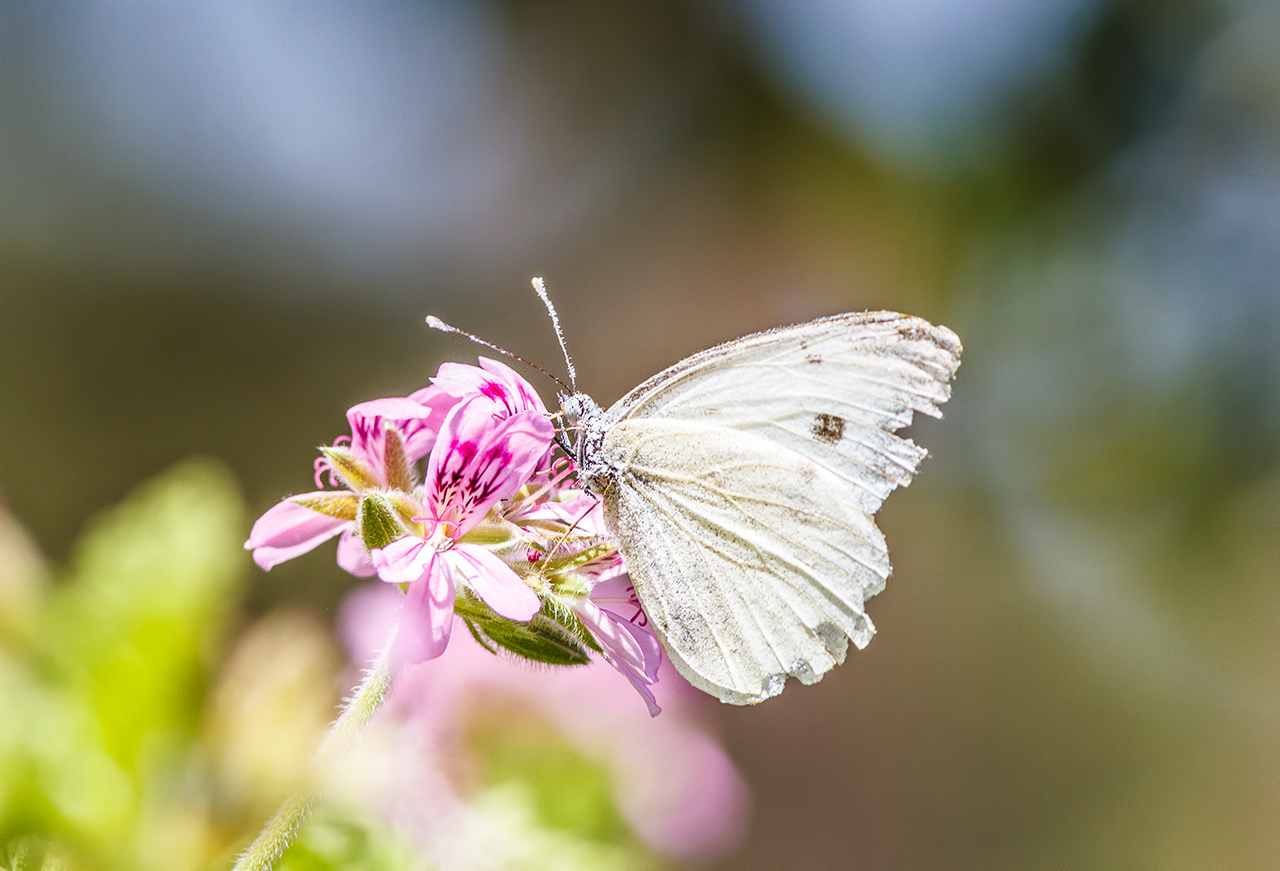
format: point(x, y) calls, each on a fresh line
point(740, 486)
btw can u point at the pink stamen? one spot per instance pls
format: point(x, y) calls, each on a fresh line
point(323, 465)
point(558, 476)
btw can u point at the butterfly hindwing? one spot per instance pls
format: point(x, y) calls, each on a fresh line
point(748, 573)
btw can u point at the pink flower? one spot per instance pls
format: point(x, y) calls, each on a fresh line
point(611, 612)
point(495, 381)
point(505, 391)
point(300, 523)
point(671, 781)
point(630, 645)
point(488, 439)
point(478, 459)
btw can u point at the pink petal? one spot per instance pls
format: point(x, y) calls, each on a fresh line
point(458, 379)
point(478, 460)
point(421, 438)
point(394, 408)
point(427, 618)
point(352, 556)
point(650, 649)
point(645, 693)
point(529, 398)
point(508, 392)
point(404, 561)
point(495, 582)
point(630, 645)
point(631, 649)
point(368, 421)
point(617, 595)
point(288, 529)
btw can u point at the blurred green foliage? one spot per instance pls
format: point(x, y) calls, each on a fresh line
point(103, 677)
point(131, 740)
point(565, 790)
point(334, 841)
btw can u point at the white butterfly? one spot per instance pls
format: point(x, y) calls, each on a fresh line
point(740, 483)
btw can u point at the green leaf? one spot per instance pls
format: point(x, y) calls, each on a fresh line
point(138, 620)
point(101, 712)
point(342, 839)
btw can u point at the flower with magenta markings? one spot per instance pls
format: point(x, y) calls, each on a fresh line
point(496, 533)
point(610, 611)
point(478, 459)
point(387, 437)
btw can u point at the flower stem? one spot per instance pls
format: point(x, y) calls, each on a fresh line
point(359, 708)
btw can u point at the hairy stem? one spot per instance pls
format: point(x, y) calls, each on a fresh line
point(282, 829)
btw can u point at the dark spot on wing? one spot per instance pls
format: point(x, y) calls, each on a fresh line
point(828, 428)
point(812, 358)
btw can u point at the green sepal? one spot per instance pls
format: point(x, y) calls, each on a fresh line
point(561, 571)
point(350, 468)
point(542, 639)
point(340, 505)
point(559, 611)
point(406, 508)
point(378, 521)
point(497, 534)
point(481, 638)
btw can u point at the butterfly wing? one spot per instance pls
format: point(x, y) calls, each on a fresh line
point(744, 480)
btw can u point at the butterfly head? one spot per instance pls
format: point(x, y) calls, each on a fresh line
point(576, 406)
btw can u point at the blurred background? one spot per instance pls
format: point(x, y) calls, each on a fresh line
point(221, 225)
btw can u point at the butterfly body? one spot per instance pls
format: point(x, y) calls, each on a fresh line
point(740, 486)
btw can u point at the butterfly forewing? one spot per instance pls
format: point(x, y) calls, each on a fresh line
point(834, 390)
point(742, 483)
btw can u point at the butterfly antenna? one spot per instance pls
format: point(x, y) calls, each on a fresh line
point(541, 289)
point(436, 324)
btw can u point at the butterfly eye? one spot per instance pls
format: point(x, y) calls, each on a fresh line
point(571, 407)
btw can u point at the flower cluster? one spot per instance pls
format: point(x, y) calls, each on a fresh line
point(455, 494)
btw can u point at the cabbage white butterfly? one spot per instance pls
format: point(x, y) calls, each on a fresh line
point(740, 484)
